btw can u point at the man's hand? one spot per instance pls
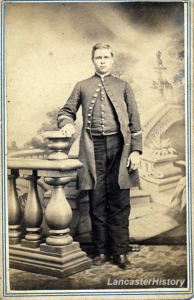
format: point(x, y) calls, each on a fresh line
point(68, 130)
point(133, 160)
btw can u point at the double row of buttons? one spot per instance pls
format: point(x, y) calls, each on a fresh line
point(92, 106)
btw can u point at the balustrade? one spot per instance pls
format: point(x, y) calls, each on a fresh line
point(59, 255)
point(33, 214)
point(14, 210)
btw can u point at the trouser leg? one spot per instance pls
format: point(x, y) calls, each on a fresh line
point(118, 223)
point(97, 198)
point(118, 199)
point(109, 205)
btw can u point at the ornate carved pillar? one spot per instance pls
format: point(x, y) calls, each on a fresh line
point(14, 210)
point(33, 214)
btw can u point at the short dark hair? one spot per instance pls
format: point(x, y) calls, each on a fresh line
point(101, 46)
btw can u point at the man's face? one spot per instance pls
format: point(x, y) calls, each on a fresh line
point(102, 61)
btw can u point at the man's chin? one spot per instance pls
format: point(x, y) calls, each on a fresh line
point(102, 72)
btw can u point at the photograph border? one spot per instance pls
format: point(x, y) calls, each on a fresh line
point(189, 130)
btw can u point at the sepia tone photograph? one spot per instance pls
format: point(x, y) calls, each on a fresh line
point(97, 137)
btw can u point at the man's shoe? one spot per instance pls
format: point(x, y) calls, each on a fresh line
point(123, 262)
point(99, 260)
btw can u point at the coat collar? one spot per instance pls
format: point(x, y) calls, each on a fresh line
point(102, 76)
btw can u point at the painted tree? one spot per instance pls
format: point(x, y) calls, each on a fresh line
point(176, 52)
point(51, 125)
point(122, 64)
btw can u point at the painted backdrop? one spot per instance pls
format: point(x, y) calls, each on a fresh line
point(48, 49)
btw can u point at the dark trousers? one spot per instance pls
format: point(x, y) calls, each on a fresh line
point(109, 205)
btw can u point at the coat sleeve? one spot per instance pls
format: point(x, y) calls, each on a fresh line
point(134, 120)
point(67, 114)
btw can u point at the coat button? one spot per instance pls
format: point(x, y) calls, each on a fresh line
point(88, 128)
point(99, 85)
point(93, 101)
point(89, 115)
point(95, 95)
point(97, 90)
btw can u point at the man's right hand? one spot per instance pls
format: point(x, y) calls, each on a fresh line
point(68, 130)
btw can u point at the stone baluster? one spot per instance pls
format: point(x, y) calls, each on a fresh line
point(58, 213)
point(14, 210)
point(33, 214)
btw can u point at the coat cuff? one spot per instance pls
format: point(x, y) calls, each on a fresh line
point(140, 151)
point(63, 120)
point(136, 143)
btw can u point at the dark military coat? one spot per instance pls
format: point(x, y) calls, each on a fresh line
point(120, 94)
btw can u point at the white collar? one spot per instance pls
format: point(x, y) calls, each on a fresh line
point(102, 76)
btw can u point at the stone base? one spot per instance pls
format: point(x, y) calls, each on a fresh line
point(60, 261)
point(158, 185)
point(15, 241)
point(31, 244)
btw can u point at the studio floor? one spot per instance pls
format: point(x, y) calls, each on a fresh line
point(162, 264)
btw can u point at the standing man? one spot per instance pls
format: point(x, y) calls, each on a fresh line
point(110, 145)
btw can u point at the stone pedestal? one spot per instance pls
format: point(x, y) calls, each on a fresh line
point(159, 176)
point(59, 261)
point(158, 173)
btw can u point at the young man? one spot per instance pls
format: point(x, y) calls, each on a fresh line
point(110, 145)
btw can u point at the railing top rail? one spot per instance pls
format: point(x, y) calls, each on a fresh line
point(47, 165)
point(22, 153)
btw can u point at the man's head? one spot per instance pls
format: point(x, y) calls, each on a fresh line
point(102, 57)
